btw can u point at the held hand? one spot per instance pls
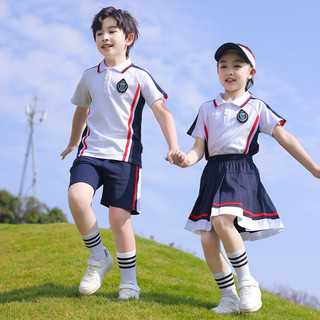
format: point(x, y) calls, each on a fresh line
point(170, 156)
point(180, 159)
point(66, 152)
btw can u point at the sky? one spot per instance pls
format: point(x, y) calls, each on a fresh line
point(46, 45)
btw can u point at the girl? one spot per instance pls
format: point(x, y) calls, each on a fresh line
point(233, 205)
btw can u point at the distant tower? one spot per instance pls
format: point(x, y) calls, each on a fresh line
point(31, 111)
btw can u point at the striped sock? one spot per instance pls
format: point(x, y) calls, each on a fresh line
point(127, 265)
point(94, 244)
point(239, 262)
point(225, 282)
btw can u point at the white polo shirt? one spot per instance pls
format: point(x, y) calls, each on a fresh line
point(116, 97)
point(228, 130)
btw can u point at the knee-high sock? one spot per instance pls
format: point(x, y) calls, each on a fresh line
point(94, 244)
point(127, 266)
point(239, 262)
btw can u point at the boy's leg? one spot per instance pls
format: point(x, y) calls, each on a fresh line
point(250, 295)
point(120, 222)
point(221, 272)
point(99, 263)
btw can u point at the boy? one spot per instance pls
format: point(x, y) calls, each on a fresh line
point(109, 99)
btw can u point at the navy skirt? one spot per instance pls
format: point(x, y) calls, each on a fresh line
point(230, 184)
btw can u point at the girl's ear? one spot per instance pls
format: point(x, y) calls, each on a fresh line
point(253, 71)
point(129, 39)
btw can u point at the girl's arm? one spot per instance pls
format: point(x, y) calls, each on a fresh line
point(292, 145)
point(193, 155)
point(167, 126)
point(78, 124)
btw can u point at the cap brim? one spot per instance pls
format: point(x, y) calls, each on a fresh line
point(229, 46)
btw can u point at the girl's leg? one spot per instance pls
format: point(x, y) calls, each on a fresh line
point(99, 263)
point(233, 243)
point(120, 222)
point(221, 271)
point(250, 295)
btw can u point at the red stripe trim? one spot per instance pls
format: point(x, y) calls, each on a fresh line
point(199, 216)
point(250, 134)
point(228, 203)
point(215, 103)
point(135, 189)
point(84, 143)
point(261, 214)
point(245, 101)
point(129, 123)
point(126, 68)
point(206, 132)
point(246, 211)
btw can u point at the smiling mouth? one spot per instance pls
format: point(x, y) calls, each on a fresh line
point(229, 80)
point(106, 46)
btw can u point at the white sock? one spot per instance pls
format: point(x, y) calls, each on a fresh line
point(225, 282)
point(94, 244)
point(127, 265)
point(239, 262)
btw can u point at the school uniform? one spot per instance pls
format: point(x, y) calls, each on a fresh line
point(230, 183)
point(111, 142)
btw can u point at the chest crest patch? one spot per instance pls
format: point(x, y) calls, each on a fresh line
point(122, 86)
point(242, 116)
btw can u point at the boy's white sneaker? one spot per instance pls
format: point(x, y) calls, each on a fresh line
point(128, 290)
point(250, 294)
point(228, 304)
point(95, 273)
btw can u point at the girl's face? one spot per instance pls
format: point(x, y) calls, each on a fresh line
point(234, 72)
point(112, 42)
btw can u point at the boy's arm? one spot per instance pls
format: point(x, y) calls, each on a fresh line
point(168, 127)
point(78, 123)
point(193, 155)
point(292, 146)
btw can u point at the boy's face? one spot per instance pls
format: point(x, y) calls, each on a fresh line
point(234, 72)
point(112, 42)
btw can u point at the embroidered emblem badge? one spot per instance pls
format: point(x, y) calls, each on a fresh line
point(122, 86)
point(242, 116)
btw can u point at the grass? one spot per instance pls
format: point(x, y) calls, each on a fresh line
point(42, 265)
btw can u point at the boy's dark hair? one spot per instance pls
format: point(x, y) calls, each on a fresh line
point(125, 21)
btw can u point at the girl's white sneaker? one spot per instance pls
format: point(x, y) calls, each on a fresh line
point(228, 304)
point(250, 294)
point(128, 290)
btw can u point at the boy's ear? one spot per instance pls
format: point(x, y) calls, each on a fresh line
point(130, 39)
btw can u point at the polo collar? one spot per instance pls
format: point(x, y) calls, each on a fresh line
point(122, 67)
point(240, 102)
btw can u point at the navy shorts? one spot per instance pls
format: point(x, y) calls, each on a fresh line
point(120, 181)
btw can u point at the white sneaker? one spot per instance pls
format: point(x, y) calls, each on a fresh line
point(95, 273)
point(250, 295)
point(228, 304)
point(128, 290)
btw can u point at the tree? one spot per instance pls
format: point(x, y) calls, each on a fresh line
point(8, 207)
point(27, 210)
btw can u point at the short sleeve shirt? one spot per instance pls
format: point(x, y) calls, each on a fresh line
point(233, 127)
point(116, 97)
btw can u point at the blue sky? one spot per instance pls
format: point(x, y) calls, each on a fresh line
point(45, 46)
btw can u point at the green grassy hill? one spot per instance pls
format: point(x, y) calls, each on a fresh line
point(41, 266)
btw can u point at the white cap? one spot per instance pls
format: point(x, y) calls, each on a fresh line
point(243, 50)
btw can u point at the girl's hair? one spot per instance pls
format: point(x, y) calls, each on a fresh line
point(125, 21)
point(249, 83)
